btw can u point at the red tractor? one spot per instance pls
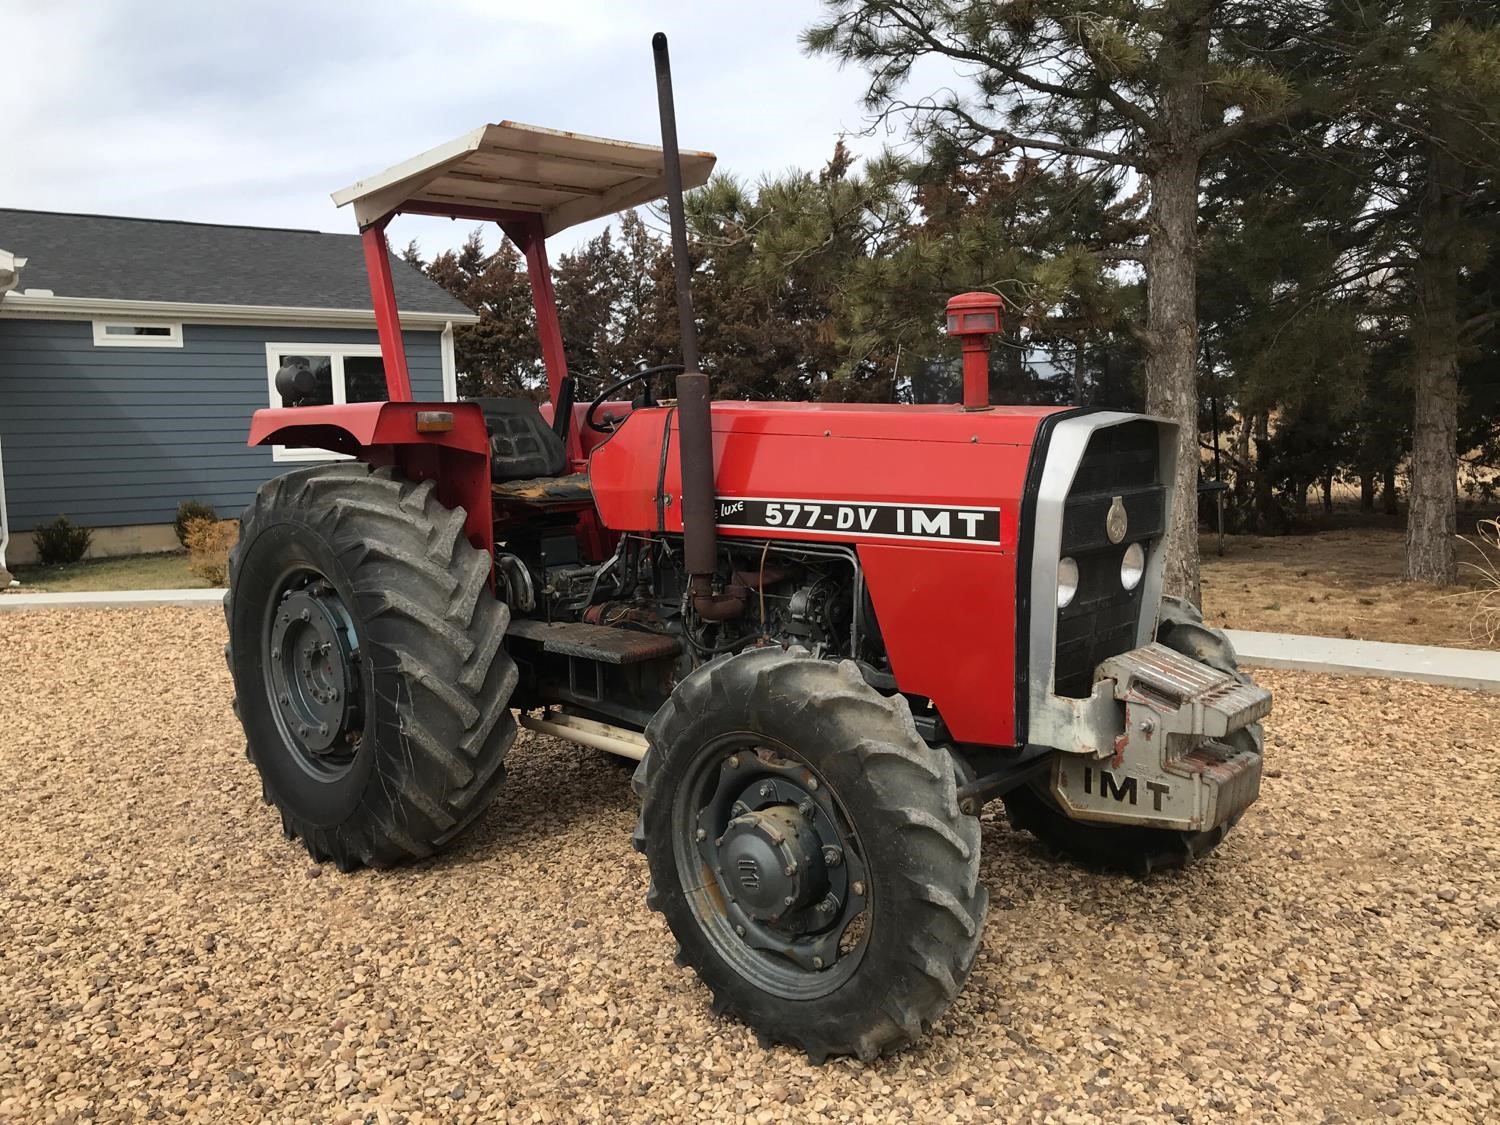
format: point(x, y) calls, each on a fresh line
point(829, 633)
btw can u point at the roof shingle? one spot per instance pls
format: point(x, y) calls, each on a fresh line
point(124, 259)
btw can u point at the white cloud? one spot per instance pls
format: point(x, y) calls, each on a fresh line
point(254, 113)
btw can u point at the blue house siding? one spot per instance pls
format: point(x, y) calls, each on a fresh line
point(118, 436)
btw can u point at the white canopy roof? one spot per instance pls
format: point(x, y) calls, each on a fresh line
point(567, 178)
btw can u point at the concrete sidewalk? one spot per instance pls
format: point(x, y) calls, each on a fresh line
point(108, 599)
point(1451, 667)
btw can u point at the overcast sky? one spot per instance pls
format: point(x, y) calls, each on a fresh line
point(254, 112)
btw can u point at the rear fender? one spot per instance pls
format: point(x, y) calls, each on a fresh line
point(385, 434)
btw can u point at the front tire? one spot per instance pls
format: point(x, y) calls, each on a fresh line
point(1131, 848)
point(806, 849)
point(366, 655)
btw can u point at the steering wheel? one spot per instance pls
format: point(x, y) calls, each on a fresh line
point(644, 375)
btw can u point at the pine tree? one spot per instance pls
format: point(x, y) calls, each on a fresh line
point(1030, 234)
point(500, 354)
point(1135, 92)
point(591, 287)
point(773, 262)
point(1453, 106)
point(1424, 135)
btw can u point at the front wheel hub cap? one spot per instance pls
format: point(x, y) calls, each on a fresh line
point(773, 861)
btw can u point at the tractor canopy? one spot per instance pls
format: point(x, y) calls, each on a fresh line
point(502, 172)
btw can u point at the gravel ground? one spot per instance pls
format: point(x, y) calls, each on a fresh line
point(166, 954)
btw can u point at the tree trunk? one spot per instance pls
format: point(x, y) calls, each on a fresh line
point(1078, 371)
point(1328, 494)
point(1265, 501)
point(1388, 498)
point(1366, 489)
point(1242, 469)
point(1172, 290)
point(1432, 515)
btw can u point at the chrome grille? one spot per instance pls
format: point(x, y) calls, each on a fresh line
point(1101, 621)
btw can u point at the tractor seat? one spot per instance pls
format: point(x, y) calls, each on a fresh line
point(522, 446)
point(571, 488)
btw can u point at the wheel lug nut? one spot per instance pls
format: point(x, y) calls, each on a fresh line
point(807, 808)
point(767, 789)
point(306, 615)
point(701, 835)
point(858, 887)
point(276, 654)
point(788, 900)
point(817, 962)
point(812, 783)
point(282, 700)
point(733, 761)
point(740, 930)
point(832, 856)
point(790, 869)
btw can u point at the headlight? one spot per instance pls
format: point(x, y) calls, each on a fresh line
point(1067, 582)
point(1133, 566)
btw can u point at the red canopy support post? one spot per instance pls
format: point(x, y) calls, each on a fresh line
point(387, 318)
point(527, 232)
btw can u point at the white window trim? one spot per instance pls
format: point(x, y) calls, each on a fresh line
point(336, 354)
point(102, 339)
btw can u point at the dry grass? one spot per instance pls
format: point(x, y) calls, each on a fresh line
point(1485, 573)
point(168, 955)
point(1340, 584)
point(165, 571)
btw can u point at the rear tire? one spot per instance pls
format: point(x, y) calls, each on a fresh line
point(1129, 848)
point(836, 769)
point(366, 655)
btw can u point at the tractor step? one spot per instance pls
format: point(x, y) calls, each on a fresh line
point(596, 642)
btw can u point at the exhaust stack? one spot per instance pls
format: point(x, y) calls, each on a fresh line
point(695, 434)
point(973, 318)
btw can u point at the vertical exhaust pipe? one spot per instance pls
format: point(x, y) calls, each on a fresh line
point(695, 434)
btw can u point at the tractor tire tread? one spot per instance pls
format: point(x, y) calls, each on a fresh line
point(452, 673)
point(937, 905)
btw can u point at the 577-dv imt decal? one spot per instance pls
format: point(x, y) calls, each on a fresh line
point(863, 519)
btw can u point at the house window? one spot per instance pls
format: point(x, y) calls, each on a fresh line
point(341, 373)
point(137, 334)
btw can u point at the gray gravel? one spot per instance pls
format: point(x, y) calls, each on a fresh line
point(166, 954)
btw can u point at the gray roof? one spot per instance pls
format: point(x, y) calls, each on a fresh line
point(124, 259)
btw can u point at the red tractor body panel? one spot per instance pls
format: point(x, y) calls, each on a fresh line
point(457, 457)
point(929, 497)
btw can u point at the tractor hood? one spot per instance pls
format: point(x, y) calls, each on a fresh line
point(831, 471)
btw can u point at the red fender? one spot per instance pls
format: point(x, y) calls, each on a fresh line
point(386, 433)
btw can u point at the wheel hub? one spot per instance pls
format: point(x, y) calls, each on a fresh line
point(314, 669)
point(774, 860)
point(788, 881)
